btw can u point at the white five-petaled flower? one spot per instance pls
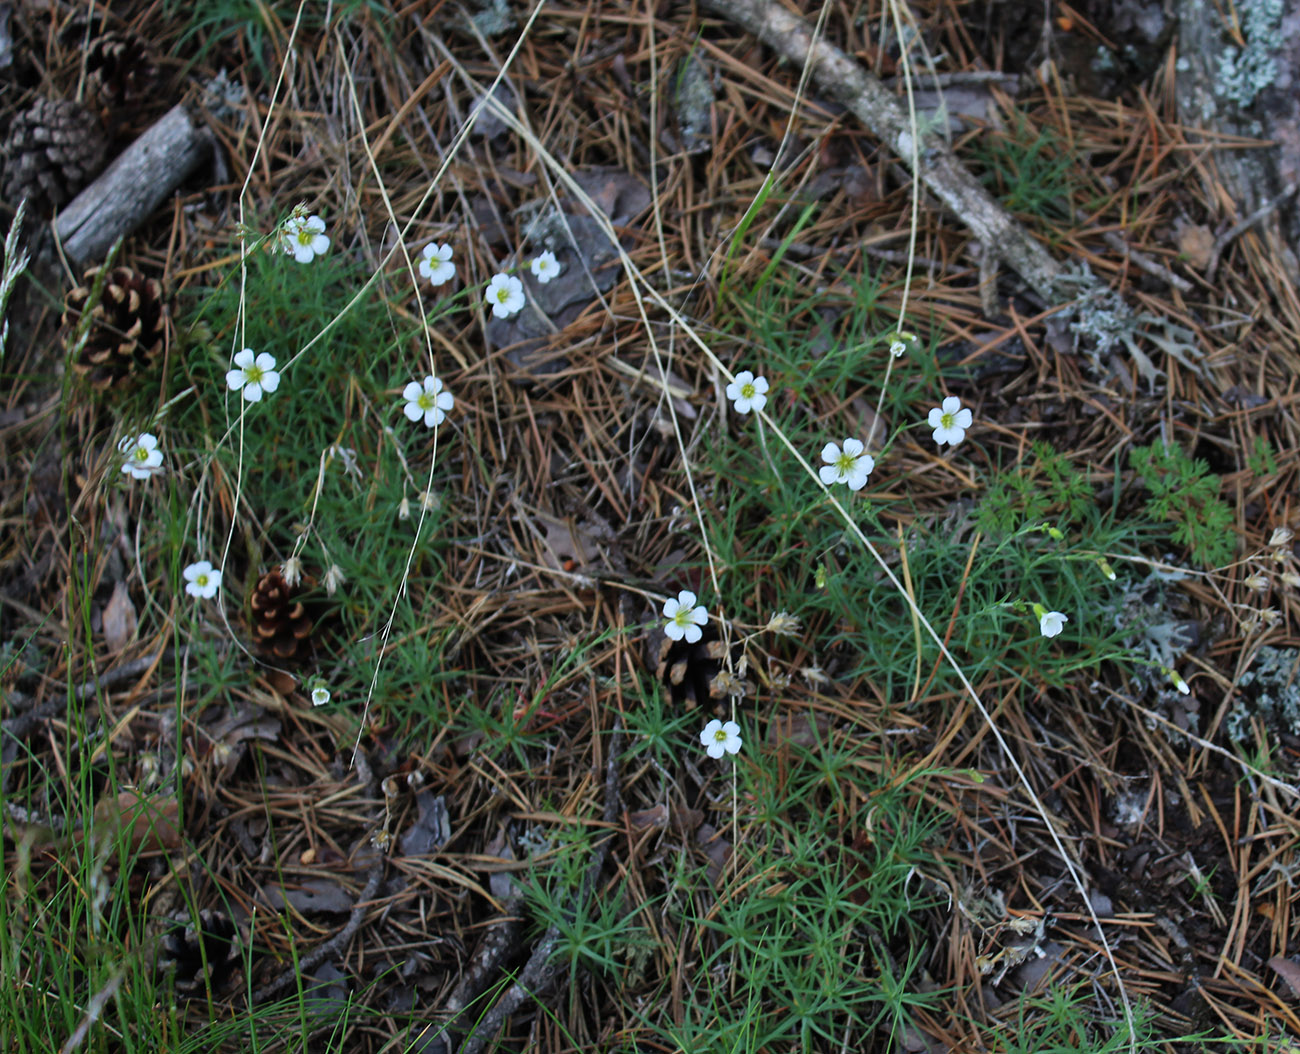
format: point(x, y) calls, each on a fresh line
point(684, 617)
point(896, 348)
point(850, 465)
point(505, 295)
point(202, 580)
point(1050, 623)
point(721, 737)
point(436, 264)
point(545, 267)
point(427, 400)
point(143, 458)
point(950, 421)
point(747, 392)
point(320, 696)
point(304, 237)
point(254, 374)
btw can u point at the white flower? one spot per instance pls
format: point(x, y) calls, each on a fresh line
point(334, 577)
point(304, 237)
point(684, 617)
point(202, 580)
point(254, 375)
point(320, 696)
point(1179, 683)
point(428, 401)
point(748, 392)
point(1050, 623)
point(436, 265)
point(143, 458)
point(292, 571)
point(721, 738)
point(849, 465)
point(950, 421)
point(505, 295)
point(545, 267)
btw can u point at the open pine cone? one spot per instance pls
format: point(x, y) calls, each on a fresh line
point(54, 149)
point(201, 956)
point(128, 326)
point(689, 671)
point(282, 627)
point(120, 69)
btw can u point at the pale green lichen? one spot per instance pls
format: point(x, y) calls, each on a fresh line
point(1246, 71)
point(1270, 691)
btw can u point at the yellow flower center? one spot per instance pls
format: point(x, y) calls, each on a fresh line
point(845, 462)
point(683, 616)
point(747, 391)
point(503, 294)
point(253, 374)
point(720, 735)
point(427, 401)
point(201, 580)
point(142, 453)
point(948, 420)
point(305, 235)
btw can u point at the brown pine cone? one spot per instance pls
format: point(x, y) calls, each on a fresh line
point(54, 149)
point(120, 69)
point(690, 671)
point(127, 329)
point(200, 956)
point(281, 626)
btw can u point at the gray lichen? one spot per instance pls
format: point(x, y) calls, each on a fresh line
point(1246, 71)
point(1269, 690)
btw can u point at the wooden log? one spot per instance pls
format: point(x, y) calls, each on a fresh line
point(133, 186)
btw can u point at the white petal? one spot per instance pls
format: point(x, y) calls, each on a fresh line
point(302, 253)
point(673, 631)
point(951, 404)
point(671, 606)
point(413, 411)
point(235, 379)
point(760, 385)
point(266, 361)
point(270, 381)
point(686, 598)
point(445, 401)
point(830, 454)
point(412, 391)
point(245, 357)
point(692, 633)
point(936, 418)
point(829, 474)
point(253, 393)
point(964, 419)
point(854, 447)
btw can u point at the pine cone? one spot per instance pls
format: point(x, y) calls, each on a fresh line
point(690, 671)
point(120, 69)
point(281, 626)
point(202, 956)
point(128, 326)
point(53, 150)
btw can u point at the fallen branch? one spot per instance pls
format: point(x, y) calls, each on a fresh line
point(840, 77)
point(542, 968)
